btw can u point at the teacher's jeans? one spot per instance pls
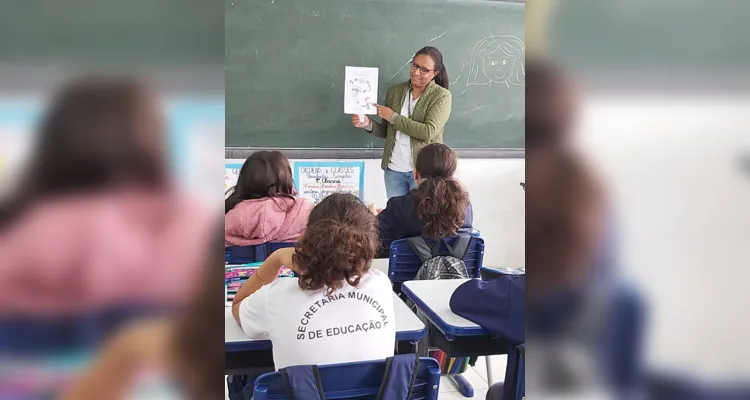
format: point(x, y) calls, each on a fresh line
point(398, 183)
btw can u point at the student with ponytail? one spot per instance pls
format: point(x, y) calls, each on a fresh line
point(438, 207)
point(413, 115)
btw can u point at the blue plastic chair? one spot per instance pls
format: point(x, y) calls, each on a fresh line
point(36, 335)
point(403, 263)
point(251, 254)
point(520, 383)
point(359, 381)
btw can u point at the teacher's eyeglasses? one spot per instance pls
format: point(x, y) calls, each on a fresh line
point(423, 70)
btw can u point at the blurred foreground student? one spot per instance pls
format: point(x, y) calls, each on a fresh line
point(262, 207)
point(437, 208)
point(181, 357)
point(338, 309)
point(97, 222)
point(499, 307)
point(584, 332)
point(552, 112)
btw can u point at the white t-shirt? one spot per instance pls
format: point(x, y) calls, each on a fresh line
point(401, 159)
point(350, 325)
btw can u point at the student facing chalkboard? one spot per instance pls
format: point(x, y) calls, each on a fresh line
point(263, 206)
point(437, 208)
point(339, 309)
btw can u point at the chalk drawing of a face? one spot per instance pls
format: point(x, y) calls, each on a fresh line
point(498, 59)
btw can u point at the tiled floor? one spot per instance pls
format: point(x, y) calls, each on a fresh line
point(477, 376)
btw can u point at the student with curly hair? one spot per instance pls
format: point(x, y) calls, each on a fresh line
point(336, 304)
point(437, 208)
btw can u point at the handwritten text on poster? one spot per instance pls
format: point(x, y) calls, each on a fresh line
point(316, 180)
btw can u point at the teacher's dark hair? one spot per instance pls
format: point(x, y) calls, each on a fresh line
point(97, 134)
point(550, 106)
point(440, 200)
point(442, 77)
point(341, 240)
point(264, 174)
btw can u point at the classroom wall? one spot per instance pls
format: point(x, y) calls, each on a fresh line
point(195, 141)
point(496, 196)
point(674, 172)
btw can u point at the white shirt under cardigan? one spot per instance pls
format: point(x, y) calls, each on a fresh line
point(401, 157)
point(309, 327)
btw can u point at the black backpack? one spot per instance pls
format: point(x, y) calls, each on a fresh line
point(437, 266)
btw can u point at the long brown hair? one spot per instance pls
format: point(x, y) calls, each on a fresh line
point(550, 104)
point(98, 133)
point(440, 200)
point(198, 337)
point(341, 240)
point(563, 200)
point(264, 174)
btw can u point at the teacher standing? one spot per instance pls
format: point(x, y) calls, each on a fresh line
point(413, 115)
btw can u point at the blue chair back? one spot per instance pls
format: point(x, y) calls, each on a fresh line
point(521, 373)
point(403, 263)
point(252, 254)
point(34, 335)
point(359, 381)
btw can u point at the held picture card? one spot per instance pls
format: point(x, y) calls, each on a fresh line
point(360, 90)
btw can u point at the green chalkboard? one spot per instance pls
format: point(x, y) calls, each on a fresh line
point(285, 63)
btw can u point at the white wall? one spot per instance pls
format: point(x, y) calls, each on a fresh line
point(672, 166)
point(496, 196)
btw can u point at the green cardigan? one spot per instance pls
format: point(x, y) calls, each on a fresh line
point(425, 125)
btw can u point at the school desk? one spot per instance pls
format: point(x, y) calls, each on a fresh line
point(490, 273)
point(455, 335)
point(244, 353)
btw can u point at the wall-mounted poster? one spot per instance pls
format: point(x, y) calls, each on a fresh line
point(196, 128)
point(231, 174)
point(316, 180)
point(17, 129)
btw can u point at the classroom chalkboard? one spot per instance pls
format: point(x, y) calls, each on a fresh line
point(285, 63)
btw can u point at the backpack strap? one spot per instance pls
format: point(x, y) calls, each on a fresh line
point(460, 246)
point(420, 247)
point(303, 382)
point(399, 376)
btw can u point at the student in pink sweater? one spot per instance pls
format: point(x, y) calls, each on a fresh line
point(262, 207)
point(95, 223)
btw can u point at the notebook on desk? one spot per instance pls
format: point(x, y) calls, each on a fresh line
point(236, 275)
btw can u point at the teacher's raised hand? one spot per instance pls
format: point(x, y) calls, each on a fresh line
point(360, 124)
point(384, 112)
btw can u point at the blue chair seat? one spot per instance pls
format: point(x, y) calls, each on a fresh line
point(359, 381)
